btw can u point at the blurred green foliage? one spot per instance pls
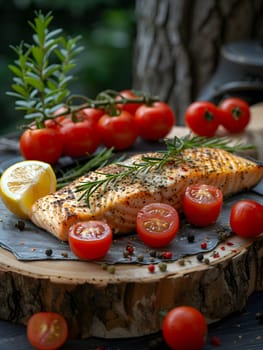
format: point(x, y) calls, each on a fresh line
point(107, 28)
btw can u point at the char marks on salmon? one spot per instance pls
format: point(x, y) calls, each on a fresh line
point(120, 201)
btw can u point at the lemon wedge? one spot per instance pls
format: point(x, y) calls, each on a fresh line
point(23, 183)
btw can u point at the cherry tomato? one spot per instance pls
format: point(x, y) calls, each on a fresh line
point(117, 131)
point(79, 138)
point(246, 218)
point(41, 144)
point(91, 114)
point(184, 328)
point(155, 121)
point(129, 107)
point(235, 114)
point(157, 224)
point(202, 118)
point(47, 330)
point(202, 204)
point(90, 240)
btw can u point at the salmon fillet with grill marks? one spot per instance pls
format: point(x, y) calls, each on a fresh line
point(119, 203)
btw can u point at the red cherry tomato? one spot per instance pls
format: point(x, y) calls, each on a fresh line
point(157, 224)
point(117, 131)
point(79, 138)
point(202, 118)
point(235, 114)
point(184, 328)
point(47, 330)
point(41, 144)
point(202, 204)
point(91, 114)
point(154, 122)
point(246, 218)
point(90, 240)
point(129, 107)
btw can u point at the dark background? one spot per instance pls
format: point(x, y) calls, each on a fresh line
point(107, 28)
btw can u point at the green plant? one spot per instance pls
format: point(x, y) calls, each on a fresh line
point(42, 70)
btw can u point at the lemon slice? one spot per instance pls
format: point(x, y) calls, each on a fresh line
point(23, 183)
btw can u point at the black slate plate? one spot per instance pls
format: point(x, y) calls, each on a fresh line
point(33, 243)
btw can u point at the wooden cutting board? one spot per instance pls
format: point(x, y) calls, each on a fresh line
point(131, 301)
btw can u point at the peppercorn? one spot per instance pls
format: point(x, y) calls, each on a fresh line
point(203, 245)
point(162, 266)
point(200, 257)
point(151, 268)
point(130, 249)
point(48, 252)
point(153, 253)
point(140, 258)
point(111, 269)
point(126, 254)
point(181, 262)
point(64, 254)
point(190, 238)
point(20, 225)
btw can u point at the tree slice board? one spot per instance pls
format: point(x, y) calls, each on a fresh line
point(131, 302)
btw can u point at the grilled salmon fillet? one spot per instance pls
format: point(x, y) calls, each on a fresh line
point(119, 202)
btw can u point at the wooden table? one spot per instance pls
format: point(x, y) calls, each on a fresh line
point(242, 331)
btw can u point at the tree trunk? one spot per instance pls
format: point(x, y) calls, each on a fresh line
point(178, 43)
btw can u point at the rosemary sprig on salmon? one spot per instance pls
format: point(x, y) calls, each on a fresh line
point(172, 154)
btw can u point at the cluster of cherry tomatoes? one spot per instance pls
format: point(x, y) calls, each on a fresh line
point(158, 223)
point(204, 118)
point(81, 134)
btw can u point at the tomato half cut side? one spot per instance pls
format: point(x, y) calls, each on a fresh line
point(47, 330)
point(90, 240)
point(157, 224)
point(202, 204)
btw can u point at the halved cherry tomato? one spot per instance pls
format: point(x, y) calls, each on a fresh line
point(185, 328)
point(90, 240)
point(155, 121)
point(246, 218)
point(118, 131)
point(129, 107)
point(41, 144)
point(47, 330)
point(202, 118)
point(202, 204)
point(79, 138)
point(157, 224)
point(235, 114)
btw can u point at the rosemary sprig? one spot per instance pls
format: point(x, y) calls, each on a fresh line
point(42, 70)
point(172, 154)
point(99, 160)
